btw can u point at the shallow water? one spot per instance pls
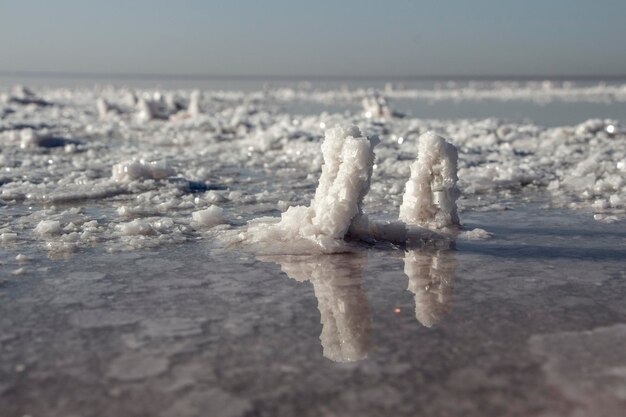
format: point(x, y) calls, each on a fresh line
point(127, 306)
point(487, 328)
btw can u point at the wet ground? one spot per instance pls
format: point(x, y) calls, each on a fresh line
point(529, 323)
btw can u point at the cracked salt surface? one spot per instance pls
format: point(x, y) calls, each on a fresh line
point(136, 310)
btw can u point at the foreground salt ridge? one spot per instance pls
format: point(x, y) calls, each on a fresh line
point(63, 172)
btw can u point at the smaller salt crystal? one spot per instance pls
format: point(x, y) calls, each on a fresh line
point(210, 217)
point(48, 227)
point(8, 237)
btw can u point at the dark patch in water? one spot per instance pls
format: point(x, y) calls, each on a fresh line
point(54, 142)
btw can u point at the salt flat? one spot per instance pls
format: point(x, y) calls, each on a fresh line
point(115, 297)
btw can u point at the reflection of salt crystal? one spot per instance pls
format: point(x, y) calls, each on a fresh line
point(431, 192)
point(430, 279)
point(343, 306)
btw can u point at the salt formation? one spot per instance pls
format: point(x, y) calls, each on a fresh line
point(192, 110)
point(341, 301)
point(375, 106)
point(194, 104)
point(48, 227)
point(264, 154)
point(23, 95)
point(148, 110)
point(344, 182)
point(103, 108)
point(136, 227)
point(431, 192)
point(141, 170)
point(210, 217)
point(107, 110)
point(167, 107)
point(430, 276)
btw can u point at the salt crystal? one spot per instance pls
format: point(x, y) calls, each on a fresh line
point(431, 192)
point(210, 217)
point(48, 227)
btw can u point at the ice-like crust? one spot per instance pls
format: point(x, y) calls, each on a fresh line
point(344, 182)
point(431, 192)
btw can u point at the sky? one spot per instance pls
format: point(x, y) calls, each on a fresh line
point(349, 38)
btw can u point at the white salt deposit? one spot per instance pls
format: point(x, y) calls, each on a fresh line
point(48, 227)
point(141, 170)
point(62, 162)
point(209, 217)
point(431, 192)
point(474, 234)
point(8, 237)
point(146, 111)
point(20, 271)
point(344, 182)
point(375, 106)
point(137, 227)
point(194, 104)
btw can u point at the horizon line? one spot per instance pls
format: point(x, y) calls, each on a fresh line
point(303, 78)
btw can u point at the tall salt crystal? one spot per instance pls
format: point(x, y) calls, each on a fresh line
point(431, 192)
point(194, 104)
point(344, 182)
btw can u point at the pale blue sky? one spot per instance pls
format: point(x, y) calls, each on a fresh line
point(315, 38)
